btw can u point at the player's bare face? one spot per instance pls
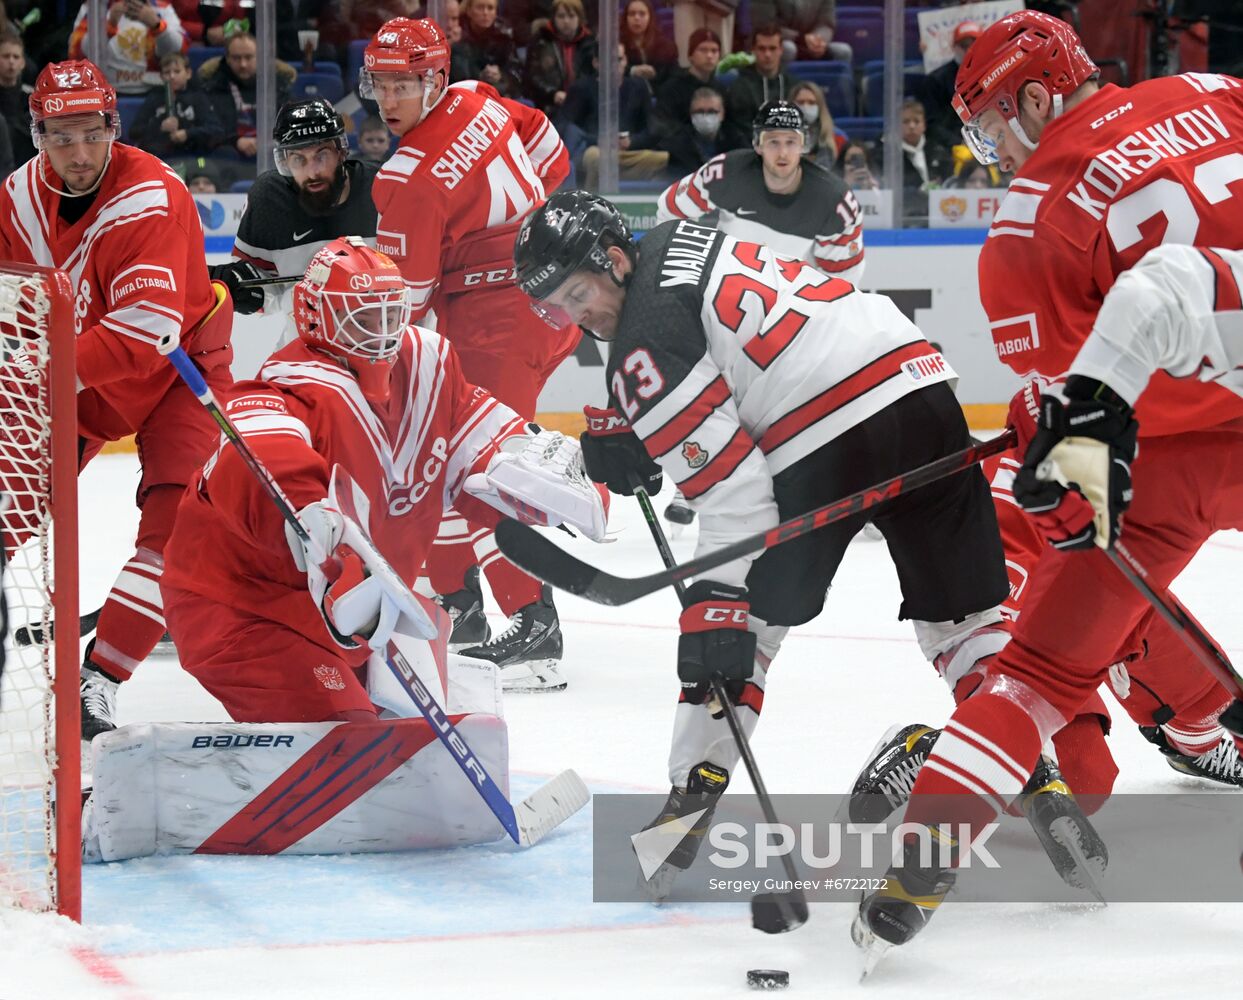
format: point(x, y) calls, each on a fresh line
point(592, 300)
point(77, 149)
point(313, 168)
point(400, 98)
point(1011, 153)
point(782, 154)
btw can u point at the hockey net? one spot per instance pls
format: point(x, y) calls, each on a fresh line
point(40, 804)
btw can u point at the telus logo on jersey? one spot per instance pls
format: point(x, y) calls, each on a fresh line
point(472, 142)
point(403, 502)
point(686, 255)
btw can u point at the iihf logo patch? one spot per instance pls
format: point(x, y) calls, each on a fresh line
point(695, 456)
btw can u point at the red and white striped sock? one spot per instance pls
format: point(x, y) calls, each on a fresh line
point(132, 619)
point(985, 754)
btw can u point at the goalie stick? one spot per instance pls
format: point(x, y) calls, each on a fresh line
point(531, 551)
point(771, 912)
point(549, 805)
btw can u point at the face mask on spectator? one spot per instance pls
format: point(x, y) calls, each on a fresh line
point(811, 113)
point(706, 123)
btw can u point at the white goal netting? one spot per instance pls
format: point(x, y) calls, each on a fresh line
point(33, 313)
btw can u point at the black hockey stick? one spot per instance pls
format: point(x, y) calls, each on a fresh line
point(32, 634)
point(531, 551)
point(1211, 656)
point(283, 279)
point(771, 912)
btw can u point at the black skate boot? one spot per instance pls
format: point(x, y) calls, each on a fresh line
point(529, 651)
point(1072, 843)
point(465, 607)
point(886, 781)
point(679, 511)
point(911, 894)
point(704, 786)
point(98, 694)
point(1221, 764)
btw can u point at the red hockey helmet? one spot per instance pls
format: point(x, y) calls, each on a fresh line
point(1025, 47)
point(351, 304)
point(408, 47)
point(76, 87)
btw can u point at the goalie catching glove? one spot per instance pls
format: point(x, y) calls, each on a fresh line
point(714, 640)
point(355, 594)
point(538, 478)
point(1076, 476)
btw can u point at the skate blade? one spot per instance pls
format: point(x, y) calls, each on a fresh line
point(660, 886)
point(874, 948)
point(1062, 830)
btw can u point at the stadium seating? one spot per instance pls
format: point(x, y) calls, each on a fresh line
point(834, 78)
point(325, 85)
point(127, 108)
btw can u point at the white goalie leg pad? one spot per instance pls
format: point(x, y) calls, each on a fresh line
point(178, 788)
point(539, 479)
point(957, 649)
point(459, 683)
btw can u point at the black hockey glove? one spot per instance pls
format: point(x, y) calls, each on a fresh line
point(1076, 476)
point(611, 452)
point(714, 640)
point(231, 275)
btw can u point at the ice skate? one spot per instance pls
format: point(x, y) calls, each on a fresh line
point(528, 653)
point(98, 693)
point(1221, 764)
point(1072, 843)
point(679, 513)
point(896, 913)
point(886, 781)
point(704, 787)
point(465, 608)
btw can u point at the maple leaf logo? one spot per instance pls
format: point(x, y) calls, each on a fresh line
point(695, 456)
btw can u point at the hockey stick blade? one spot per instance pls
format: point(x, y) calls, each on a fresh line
point(549, 806)
point(32, 634)
point(533, 552)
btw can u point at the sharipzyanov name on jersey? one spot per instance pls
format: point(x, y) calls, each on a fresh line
point(471, 143)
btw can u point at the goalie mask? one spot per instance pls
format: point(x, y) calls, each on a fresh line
point(351, 304)
point(1027, 47)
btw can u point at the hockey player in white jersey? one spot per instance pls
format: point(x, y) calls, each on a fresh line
point(765, 388)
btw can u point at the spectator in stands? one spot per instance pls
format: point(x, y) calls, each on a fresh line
point(294, 16)
point(7, 165)
point(807, 27)
point(715, 15)
point(364, 17)
point(925, 164)
point(199, 173)
point(652, 57)
point(973, 175)
point(231, 86)
point(140, 33)
point(944, 127)
point(637, 160)
point(826, 141)
point(219, 15)
point(190, 125)
point(673, 100)
point(855, 163)
point(702, 135)
point(552, 57)
point(488, 47)
point(15, 96)
point(375, 142)
point(763, 82)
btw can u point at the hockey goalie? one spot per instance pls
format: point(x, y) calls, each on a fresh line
point(260, 621)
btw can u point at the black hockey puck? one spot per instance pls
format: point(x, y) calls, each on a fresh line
point(768, 979)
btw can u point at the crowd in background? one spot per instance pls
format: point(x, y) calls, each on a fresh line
point(691, 80)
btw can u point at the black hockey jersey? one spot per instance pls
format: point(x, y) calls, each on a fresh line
point(820, 223)
point(278, 235)
point(732, 362)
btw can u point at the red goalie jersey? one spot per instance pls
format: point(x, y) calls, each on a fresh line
point(1118, 174)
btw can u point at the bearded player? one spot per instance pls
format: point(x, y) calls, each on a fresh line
point(255, 618)
point(470, 166)
point(125, 229)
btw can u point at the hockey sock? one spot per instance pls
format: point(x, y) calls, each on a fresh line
point(985, 754)
point(1085, 761)
point(460, 545)
point(132, 619)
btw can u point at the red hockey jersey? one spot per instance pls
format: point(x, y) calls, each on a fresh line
point(474, 168)
point(304, 414)
point(1126, 170)
point(139, 275)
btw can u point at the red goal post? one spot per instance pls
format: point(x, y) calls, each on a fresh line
point(40, 784)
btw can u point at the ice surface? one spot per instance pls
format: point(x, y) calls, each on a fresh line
point(496, 921)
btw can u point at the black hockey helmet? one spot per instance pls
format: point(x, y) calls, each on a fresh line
point(780, 116)
point(307, 123)
point(572, 230)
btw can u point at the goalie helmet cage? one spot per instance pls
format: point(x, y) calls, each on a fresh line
point(40, 784)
